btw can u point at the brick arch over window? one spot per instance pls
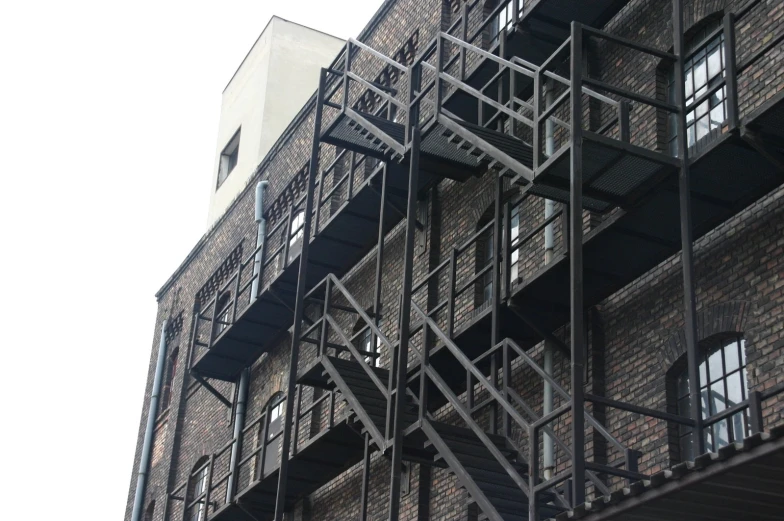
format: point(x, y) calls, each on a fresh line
point(728, 317)
point(696, 11)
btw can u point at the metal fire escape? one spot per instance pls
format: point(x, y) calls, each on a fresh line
point(459, 110)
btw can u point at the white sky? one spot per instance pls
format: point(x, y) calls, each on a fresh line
point(108, 121)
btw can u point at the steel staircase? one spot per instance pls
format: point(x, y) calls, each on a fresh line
point(490, 464)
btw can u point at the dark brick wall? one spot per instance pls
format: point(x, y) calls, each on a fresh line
point(634, 335)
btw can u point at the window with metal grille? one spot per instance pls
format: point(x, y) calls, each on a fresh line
point(504, 19)
point(723, 384)
point(703, 69)
point(487, 291)
point(297, 231)
point(198, 487)
point(222, 313)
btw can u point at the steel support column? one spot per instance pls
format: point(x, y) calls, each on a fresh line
point(365, 480)
point(495, 299)
point(280, 502)
point(405, 319)
point(687, 243)
point(379, 256)
point(576, 265)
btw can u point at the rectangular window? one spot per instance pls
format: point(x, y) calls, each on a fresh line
point(228, 158)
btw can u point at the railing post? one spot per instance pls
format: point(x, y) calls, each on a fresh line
point(236, 296)
point(346, 69)
point(507, 251)
point(576, 265)
point(623, 121)
point(730, 71)
point(213, 323)
point(351, 171)
point(533, 472)
point(263, 453)
point(507, 368)
point(469, 391)
point(451, 302)
point(287, 238)
point(331, 419)
point(324, 322)
point(208, 487)
point(632, 461)
point(755, 412)
point(422, 370)
point(463, 37)
point(319, 202)
point(439, 93)
point(296, 420)
point(537, 145)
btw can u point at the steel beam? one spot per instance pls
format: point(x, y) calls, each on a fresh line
point(405, 318)
point(576, 268)
point(299, 308)
point(687, 242)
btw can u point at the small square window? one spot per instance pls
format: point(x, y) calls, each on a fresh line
point(228, 158)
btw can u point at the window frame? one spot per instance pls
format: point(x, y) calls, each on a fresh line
point(229, 157)
point(705, 42)
point(724, 432)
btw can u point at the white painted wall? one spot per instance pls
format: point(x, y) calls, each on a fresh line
point(277, 77)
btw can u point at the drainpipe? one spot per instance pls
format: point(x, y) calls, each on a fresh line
point(243, 384)
point(261, 187)
point(239, 426)
point(549, 245)
point(152, 415)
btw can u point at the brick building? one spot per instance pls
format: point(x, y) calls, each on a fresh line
point(565, 217)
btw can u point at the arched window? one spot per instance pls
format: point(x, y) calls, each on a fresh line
point(277, 409)
point(149, 511)
point(485, 252)
point(703, 68)
point(296, 234)
point(222, 312)
point(197, 487)
point(171, 373)
point(723, 384)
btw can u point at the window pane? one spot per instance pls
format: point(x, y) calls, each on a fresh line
point(735, 391)
point(742, 351)
point(714, 61)
point(703, 375)
point(700, 71)
point(704, 402)
point(721, 436)
point(738, 427)
point(718, 400)
point(689, 80)
point(731, 360)
point(715, 370)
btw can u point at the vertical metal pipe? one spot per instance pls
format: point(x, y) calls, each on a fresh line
point(687, 243)
point(495, 298)
point(576, 265)
point(365, 480)
point(149, 433)
point(379, 258)
point(280, 502)
point(405, 319)
point(239, 426)
point(549, 247)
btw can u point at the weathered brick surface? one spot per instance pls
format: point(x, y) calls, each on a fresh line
point(634, 336)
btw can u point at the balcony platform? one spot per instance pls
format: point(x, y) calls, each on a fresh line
point(744, 480)
point(349, 234)
point(323, 458)
point(727, 175)
point(384, 139)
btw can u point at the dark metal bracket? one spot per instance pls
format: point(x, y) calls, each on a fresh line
point(225, 401)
